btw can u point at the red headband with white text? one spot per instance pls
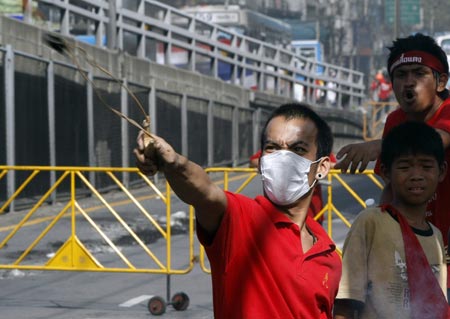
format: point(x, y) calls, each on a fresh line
point(417, 57)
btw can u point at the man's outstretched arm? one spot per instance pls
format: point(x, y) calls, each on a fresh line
point(188, 180)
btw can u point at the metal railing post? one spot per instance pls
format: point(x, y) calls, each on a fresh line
point(184, 126)
point(90, 124)
point(210, 130)
point(51, 122)
point(10, 118)
point(124, 131)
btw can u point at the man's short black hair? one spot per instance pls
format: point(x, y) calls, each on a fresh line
point(420, 42)
point(300, 110)
point(412, 138)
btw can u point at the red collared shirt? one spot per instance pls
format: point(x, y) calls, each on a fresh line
point(259, 269)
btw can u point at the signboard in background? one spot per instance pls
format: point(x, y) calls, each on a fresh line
point(11, 7)
point(223, 17)
point(410, 12)
point(311, 49)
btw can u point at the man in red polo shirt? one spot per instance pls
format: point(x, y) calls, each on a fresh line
point(268, 258)
point(418, 69)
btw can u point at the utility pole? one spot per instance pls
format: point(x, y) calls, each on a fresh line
point(397, 19)
point(111, 34)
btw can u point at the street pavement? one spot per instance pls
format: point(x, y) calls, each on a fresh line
point(30, 294)
point(38, 294)
point(60, 295)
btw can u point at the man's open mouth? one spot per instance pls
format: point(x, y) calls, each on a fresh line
point(409, 95)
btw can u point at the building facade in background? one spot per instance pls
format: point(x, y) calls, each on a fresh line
point(353, 33)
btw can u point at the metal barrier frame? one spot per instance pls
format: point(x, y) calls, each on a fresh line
point(73, 256)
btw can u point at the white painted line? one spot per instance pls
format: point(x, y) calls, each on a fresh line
point(134, 301)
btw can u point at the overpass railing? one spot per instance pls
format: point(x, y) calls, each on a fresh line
point(151, 30)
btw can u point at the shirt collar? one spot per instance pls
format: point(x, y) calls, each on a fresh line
point(277, 217)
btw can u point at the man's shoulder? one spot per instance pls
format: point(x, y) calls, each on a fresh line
point(445, 107)
point(247, 207)
point(240, 202)
point(446, 102)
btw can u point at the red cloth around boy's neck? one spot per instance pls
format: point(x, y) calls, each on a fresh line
point(426, 297)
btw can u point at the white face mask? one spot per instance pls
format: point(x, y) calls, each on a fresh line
point(284, 176)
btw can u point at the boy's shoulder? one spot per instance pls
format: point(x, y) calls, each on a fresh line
point(436, 232)
point(374, 218)
point(370, 213)
point(446, 102)
point(371, 217)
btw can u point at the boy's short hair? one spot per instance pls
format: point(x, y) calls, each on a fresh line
point(417, 42)
point(300, 110)
point(412, 138)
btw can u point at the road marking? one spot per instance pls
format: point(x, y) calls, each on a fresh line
point(134, 301)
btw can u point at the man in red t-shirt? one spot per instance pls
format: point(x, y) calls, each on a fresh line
point(418, 69)
point(382, 87)
point(268, 258)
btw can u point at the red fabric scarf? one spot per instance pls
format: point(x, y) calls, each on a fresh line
point(426, 297)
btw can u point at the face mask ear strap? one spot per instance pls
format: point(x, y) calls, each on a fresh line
point(317, 160)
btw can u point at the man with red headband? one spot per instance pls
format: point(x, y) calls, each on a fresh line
point(418, 69)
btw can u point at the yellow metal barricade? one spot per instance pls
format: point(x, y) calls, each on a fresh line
point(75, 253)
point(330, 209)
point(81, 202)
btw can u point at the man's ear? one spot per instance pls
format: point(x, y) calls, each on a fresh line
point(323, 167)
point(443, 171)
point(442, 84)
